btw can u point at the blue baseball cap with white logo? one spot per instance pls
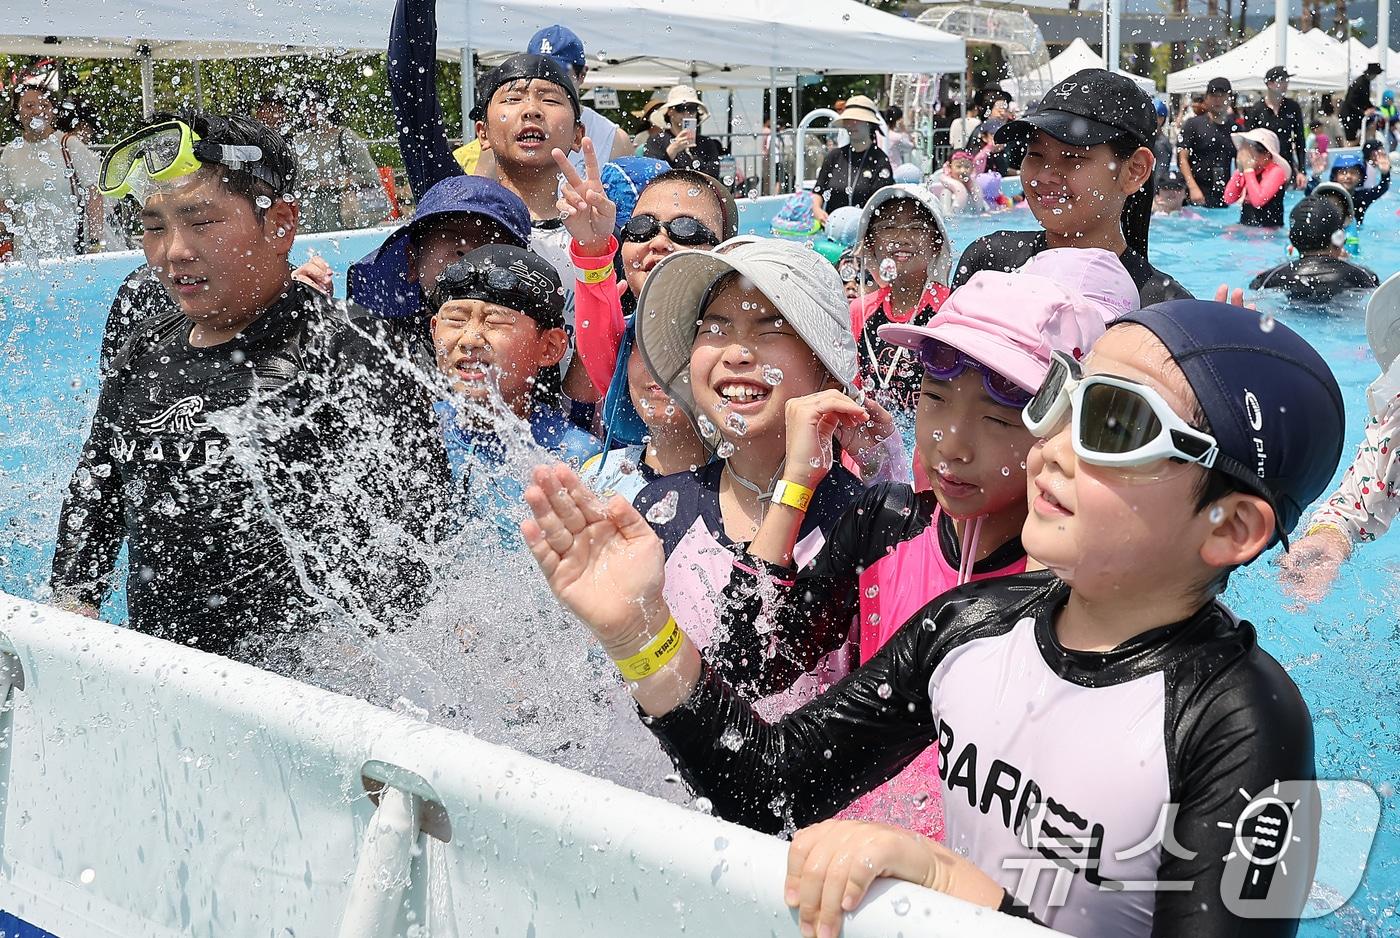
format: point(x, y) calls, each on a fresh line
point(1270, 399)
point(560, 43)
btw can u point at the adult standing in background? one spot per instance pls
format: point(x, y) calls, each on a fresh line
point(1357, 105)
point(681, 144)
point(49, 204)
point(1206, 150)
point(565, 47)
point(651, 115)
point(1281, 114)
point(851, 174)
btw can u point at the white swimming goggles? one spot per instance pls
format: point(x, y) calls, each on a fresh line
point(1116, 422)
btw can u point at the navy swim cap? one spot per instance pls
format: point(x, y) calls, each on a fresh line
point(1270, 399)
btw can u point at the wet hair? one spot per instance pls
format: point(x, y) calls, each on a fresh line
point(728, 210)
point(242, 130)
point(1137, 210)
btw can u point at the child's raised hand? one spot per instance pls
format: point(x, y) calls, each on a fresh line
point(1312, 563)
point(603, 561)
point(866, 440)
point(588, 213)
point(812, 422)
point(832, 865)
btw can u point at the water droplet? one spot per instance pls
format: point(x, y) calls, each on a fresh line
point(1217, 514)
point(1266, 322)
point(732, 739)
point(704, 805)
point(707, 428)
point(772, 376)
point(263, 202)
point(884, 691)
point(938, 436)
point(725, 449)
point(872, 591)
point(1005, 471)
point(901, 906)
point(736, 424)
point(663, 511)
point(87, 876)
point(888, 270)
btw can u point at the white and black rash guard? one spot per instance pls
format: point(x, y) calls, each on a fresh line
point(1075, 754)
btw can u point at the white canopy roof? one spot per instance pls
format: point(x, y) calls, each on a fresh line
point(813, 35)
point(1313, 67)
point(1076, 56)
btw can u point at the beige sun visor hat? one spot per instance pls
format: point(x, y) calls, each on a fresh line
point(861, 108)
point(683, 94)
point(801, 284)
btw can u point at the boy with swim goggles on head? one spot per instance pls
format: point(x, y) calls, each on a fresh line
point(1072, 708)
point(498, 333)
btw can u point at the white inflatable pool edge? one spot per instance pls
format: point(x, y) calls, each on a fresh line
point(148, 789)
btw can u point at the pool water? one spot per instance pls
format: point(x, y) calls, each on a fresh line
point(1340, 652)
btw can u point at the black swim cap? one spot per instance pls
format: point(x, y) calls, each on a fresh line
point(507, 276)
point(1312, 224)
point(523, 67)
point(1272, 403)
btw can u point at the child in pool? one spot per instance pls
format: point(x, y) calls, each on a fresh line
point(1086, 167)
point(1365, 504)
point(896, 549)
point(498, 334)
point(1087, 699)
point(734, 337)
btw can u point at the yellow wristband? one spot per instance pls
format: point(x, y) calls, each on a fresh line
point(1314, 528)
point(792, 495)
point(597, 276)
point(654, 654)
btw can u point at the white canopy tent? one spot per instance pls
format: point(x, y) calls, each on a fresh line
point(1076, 56)
point(1311, 66)
point(813, 35)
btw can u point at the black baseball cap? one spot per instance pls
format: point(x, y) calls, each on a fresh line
point(1269, 398)
point(1312, 224)
point(507, 276)
point(1090, 107)
point(1277, 73)
point(523, 67)
point(1219, 86)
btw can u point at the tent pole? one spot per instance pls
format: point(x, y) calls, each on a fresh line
point(199, 84)
point(1281, 30)
point(1383, 40)
point(468, 93)
point(1113, 53)
point(148, 82)
point(773, 125)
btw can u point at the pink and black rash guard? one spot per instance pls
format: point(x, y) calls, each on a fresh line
point(684, 511)
point(1048, 758)
point(888, 556)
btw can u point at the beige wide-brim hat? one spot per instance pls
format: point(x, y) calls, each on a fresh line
point(860, 108)
point(651, 111)
point(803, 286)
point(1269, 140)
point(683, 94)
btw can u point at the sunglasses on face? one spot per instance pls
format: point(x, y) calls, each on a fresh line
point(1116, 422)
point(945, 363)
point(683, 230)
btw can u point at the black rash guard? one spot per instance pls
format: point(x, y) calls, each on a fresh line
point(249, 476)
point(1010, 250)
point(1316, 278)
point(140, 298)
point(1036, 741)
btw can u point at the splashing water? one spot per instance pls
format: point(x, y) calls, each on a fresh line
point(664, 510)
point(888, 270)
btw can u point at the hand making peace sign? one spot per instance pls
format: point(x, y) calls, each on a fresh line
point(588, 213)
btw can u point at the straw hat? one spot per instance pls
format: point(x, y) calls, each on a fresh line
point(683, 94)
point(655, 101)
point(1268, 140)
point(860, 108)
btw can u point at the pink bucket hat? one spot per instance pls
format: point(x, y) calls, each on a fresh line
point(1093, 273)
point(1011, 323)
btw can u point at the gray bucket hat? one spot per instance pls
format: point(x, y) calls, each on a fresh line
point(801, 284)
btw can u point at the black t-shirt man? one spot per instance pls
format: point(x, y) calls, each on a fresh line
point(704, 157)
point(850, 178)
point(1010, 250)
point(256, 483)
point(1358, 102)
point(1211, 153)
point(1287, 123)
